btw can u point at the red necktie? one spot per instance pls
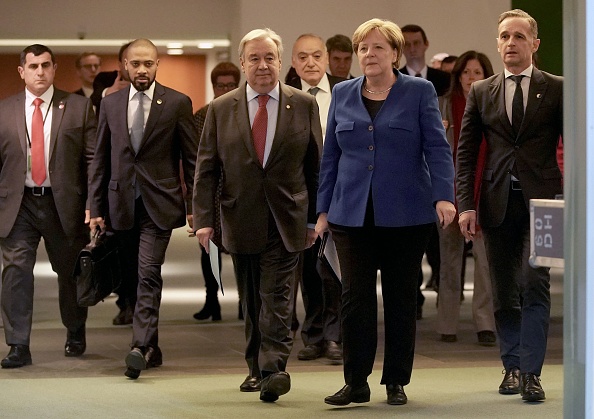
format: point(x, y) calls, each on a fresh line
point(259, 127)
point(37, 149)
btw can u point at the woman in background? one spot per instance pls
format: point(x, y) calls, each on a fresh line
point(470, 67)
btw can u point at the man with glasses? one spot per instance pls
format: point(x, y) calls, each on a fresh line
point(88, 65)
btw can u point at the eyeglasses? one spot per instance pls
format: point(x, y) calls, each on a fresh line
point(90, 66)
point(228, 86)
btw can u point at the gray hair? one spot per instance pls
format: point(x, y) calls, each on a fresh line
point(258, 34)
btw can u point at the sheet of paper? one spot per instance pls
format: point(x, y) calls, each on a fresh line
point(329, 255)
point(213, 252)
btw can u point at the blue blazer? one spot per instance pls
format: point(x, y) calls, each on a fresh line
point(402, 156)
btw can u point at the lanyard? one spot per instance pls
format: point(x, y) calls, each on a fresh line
point(44, 118)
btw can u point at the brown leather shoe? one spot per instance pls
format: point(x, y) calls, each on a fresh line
point(530, 388)
point(511, 382)
point(250, 384)
point(310, 352)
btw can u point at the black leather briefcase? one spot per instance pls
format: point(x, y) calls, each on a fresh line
point(98, 270)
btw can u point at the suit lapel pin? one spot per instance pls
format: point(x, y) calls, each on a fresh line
point(61, 105)
point(538, 95)
point(288, 106)
point(159, 101)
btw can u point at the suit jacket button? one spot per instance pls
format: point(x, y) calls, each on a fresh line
point(370, 148)
point(370, 167)
point(517, 147)
point(370, 128)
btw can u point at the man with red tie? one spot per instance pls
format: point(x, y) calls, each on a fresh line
point(266, 138)
point(47, 140)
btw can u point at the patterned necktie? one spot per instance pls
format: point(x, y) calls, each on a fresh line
point(313, 91)
point(37, 149)
point(259, 127)
point(517, 105)
point(138, 123)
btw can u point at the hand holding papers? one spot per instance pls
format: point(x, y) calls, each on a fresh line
point(213, 252)
point(328, 255)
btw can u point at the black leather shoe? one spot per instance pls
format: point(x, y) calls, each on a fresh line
point(486, 338)
point(348, 394)
point(124, 317)
point(396, 394)
point(250, 384)
point(153, 357)
point(275, 385)
point(76, 343)
point(18, 356)
point(333, 352)
point(531, 389)
point(310, 352)
point(135, 362)
point(511, 382)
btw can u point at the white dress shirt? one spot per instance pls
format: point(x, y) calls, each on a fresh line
point(46, 113)
point(412, 72)
point(323, 97)
point(133, 104)
point(271, 108)
point(510, 89)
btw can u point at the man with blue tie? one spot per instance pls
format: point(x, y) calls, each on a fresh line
point(135, 186)
point(519, 113)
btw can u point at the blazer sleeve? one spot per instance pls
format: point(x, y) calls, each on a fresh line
point(187, 133)
point(90, 139)
point(330, 158)
point(471, 135)
point(311, 165)
point(100, 169)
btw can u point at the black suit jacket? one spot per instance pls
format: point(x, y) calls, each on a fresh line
point(286, 187)
point(169, 135)
point(531, 155)
point(102, 81)
point(72, 143)
point(440, 79)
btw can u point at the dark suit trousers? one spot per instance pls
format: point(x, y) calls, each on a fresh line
point(145, 246)
point(38, 218)
point(522, 327)
point(397, 252)
point(321, 299)
point(267, 281)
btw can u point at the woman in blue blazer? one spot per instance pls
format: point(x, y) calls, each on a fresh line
point(386, 176)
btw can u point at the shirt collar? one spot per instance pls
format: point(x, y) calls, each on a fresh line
point(412, 72)
point(525, 73)
point(150, 92)
point(46, 96)
point(252, 94)
point(323, 85)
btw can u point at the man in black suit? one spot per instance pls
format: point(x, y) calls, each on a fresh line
point(415, 46)
point(135, 185)
point(266, 139)
point(321, 292)
point(520, 114)
point(47, 139)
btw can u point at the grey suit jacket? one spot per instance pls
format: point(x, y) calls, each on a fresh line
point(531, 155)
point(169, 135)
point(72, 142)
point(285, 189)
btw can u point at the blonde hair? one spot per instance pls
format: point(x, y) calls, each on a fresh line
point(521, 14)
point(388, 29)
point(258, 34)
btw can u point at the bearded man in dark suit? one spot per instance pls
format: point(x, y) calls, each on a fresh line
point(135, 185)
point(47, 139)
point(519, 112)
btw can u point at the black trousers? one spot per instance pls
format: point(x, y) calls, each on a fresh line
point(267, 283)
point(39, 218)
point(522, 323)
point(145, 246)
point(397, 252)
